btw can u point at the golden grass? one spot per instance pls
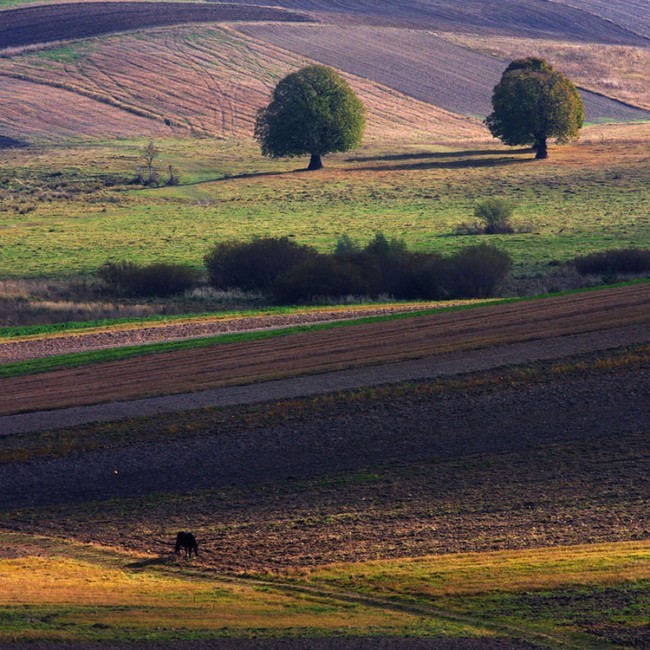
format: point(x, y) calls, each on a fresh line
point(479, 573)
point(618, 71)
point(90, 586)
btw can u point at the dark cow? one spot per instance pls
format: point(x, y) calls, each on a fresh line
point(186, 541)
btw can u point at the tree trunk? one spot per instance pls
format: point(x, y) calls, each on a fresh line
point(542, 151)
point(315, 162)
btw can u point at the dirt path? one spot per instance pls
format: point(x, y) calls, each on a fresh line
point(431, 367)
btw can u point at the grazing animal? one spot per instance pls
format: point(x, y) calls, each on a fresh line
point(186, 541)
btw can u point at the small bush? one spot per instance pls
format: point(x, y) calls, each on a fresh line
point(495, 213)
point(616, 260)
point(160, 279)
point(254, 265)
point(476, 271)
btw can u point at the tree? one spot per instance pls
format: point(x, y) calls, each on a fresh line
point(534, 102)
point(149, 154)
point(313, 111)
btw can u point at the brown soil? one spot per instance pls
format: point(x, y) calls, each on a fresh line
point(317, 352)
point(37, 347)
point(559, 461)
point(60, 22)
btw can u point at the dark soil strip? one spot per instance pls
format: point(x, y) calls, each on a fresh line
point(60, 22)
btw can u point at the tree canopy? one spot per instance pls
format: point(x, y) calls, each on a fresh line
point(534, 102)
point(313, 112)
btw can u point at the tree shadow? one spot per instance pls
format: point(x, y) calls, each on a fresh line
point(448, 164)
point(436, 155)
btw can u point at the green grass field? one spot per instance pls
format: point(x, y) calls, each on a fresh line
point(66, 210)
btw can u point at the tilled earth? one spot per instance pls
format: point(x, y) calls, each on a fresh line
point(559, 461)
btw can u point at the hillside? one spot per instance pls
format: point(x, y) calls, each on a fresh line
point(418, 64)
point(536, 18)
point(61, 22)
point(207, 80)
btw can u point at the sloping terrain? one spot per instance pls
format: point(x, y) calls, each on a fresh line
point(419, 64)
point(207, 80)
point(60, 22)
point(631, 14)
point(534, 18)
point(617, 71)
point(316, 352)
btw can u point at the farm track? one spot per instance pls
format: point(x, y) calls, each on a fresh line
point(60, 22)
point(319, 352)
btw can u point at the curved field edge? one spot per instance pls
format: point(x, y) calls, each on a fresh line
point(80, 359)
point(204, 79)
point(185, 425)
point(69, 591)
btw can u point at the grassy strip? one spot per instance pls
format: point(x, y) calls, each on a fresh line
point(72, 327)
point(78, 359)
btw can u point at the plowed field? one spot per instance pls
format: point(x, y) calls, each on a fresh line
point(631, 14)
point(416, 63)
point(521, 17)
point(62, 22)
point(307, 353)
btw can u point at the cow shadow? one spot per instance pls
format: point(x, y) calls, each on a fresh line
point(161, 560)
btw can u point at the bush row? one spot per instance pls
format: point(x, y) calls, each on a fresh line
point(290, 272)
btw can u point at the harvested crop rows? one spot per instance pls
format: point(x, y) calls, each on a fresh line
point(208, 80)
point(62, 22)
point(307, 353)
point(416, 63)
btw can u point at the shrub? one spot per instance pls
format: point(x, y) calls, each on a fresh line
point(476, 271)
point(321, 276)
point(495, 213)
point(615, 260)
point(254, 265)
point(159, 279)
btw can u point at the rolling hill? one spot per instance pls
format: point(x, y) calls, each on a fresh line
point(417, 63)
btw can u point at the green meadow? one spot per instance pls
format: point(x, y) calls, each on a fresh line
point(65, 210)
